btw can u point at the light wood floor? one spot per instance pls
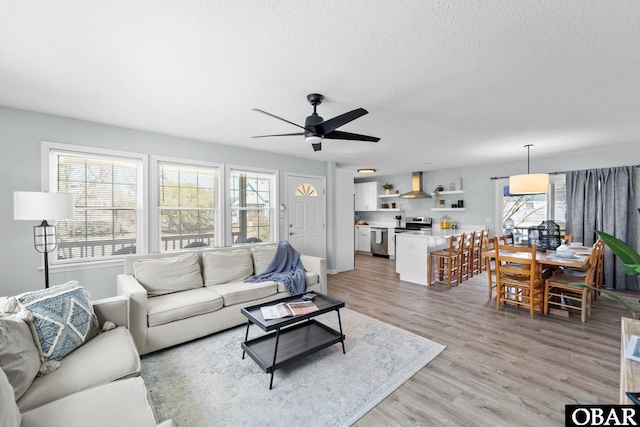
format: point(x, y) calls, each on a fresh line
point(500, 368)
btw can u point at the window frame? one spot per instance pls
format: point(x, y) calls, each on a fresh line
point(274, 229)
point(219, 220)
point(49, 151)
point(550, 199)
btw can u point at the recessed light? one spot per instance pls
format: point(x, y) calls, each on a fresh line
point(366, 170)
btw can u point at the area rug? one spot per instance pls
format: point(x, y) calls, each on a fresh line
point(207, 383)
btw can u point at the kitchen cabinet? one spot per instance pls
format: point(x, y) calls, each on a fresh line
point(363, 239)
point(412, 255)
point(367, 196)
point(392, 243)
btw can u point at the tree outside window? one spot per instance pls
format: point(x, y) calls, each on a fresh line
point(251, 195)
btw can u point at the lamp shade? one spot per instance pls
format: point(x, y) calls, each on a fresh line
point(32, 205)
point(532, 183)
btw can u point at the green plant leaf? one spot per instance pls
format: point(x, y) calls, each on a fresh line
point(609, 294)
point(631, 269)
point(623, 251)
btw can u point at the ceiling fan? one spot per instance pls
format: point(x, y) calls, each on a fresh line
point(316, 128)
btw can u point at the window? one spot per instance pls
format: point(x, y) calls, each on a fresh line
point(188, 205)
point(109, 194)
point(252, 201)
point(306, 190)
point(520, 212)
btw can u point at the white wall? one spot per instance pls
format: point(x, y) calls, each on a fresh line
point(21, 133)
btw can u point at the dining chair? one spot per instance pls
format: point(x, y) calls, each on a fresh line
point(516, 279)
point(477, 263)
point(507, 239)
point(599, 273)
point(445, 263)
point(466, 259)
point(559, 293)
point(488, 255)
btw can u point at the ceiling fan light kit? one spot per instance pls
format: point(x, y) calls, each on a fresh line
point(529, 183)
point(316, 129)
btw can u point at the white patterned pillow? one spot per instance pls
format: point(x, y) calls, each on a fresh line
point(61, 319)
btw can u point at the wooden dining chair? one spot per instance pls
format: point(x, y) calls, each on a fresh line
point(445, 264)
point(507, 239)
point(559, 293)
point(599, 273)
point(517, 284)
point(488, 255)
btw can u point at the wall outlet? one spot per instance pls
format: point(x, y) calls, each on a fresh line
point(488, 219)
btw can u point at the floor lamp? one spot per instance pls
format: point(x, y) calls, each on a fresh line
point(35, 206)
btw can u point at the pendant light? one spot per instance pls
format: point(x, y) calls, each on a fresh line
point(531, 183)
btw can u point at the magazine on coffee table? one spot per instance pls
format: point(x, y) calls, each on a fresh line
point(281, 310)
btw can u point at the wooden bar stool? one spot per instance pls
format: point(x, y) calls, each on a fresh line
point(445, 263)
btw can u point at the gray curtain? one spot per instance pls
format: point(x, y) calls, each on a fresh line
point(604, 199)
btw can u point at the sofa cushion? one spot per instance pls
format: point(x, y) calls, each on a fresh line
point(19, 357)
point(312, 279)
point(180, 305)
point(239, 292)
point(120, 403)
point(263, 255)
point(61, 319)
point(110, 356)
point(161, 276)
point(226, 266)
point(9, 413)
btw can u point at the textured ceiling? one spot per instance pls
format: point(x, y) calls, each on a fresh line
point(449, 82)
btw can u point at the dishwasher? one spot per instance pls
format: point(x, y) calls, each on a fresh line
point(380, 242)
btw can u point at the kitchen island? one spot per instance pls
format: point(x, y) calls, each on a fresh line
point(412, 253)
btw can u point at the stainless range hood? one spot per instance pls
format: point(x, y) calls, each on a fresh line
point(416, 188)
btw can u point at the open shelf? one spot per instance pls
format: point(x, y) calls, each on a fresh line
point(447, 209)
point(388, 196)
point(444, 193)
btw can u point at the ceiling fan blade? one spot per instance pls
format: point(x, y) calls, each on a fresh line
point(317, 146)
point(279, 118)
point(336, 134)
point(282, 134)
point(334, 123)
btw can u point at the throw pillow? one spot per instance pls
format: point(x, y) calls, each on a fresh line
point(61, 319)
point(19, 358)
point(264, 254)
point(160, 276)
point(226, 266)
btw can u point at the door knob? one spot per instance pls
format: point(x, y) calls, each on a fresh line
point(291, 233)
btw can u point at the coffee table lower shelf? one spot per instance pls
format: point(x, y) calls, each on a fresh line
point(294, 342)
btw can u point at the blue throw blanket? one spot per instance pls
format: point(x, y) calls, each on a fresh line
point(286, 268)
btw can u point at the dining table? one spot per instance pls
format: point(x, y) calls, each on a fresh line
point(579, 261)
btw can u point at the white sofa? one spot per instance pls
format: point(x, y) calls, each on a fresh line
point(98, 384)
point(176, 297)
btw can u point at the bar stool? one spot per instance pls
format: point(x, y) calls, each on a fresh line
point(445, 263)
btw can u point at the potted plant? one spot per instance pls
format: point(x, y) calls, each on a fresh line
point(388, 187)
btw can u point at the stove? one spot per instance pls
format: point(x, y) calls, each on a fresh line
point(416, 224)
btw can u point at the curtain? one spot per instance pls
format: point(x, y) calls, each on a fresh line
point(605, 200)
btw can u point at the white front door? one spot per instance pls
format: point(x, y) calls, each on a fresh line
point(306, 214)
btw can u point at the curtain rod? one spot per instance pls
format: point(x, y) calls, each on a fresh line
point(550, 173)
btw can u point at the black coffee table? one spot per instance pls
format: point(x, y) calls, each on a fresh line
point(290, 338)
